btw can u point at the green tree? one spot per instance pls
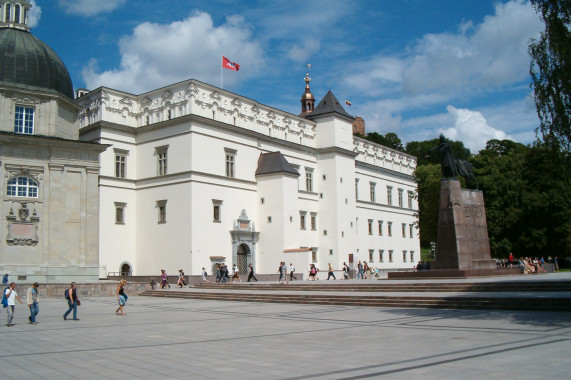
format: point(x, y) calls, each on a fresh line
point(550, 71)
point(424, 153)
point(428, 179)
point(390, 140)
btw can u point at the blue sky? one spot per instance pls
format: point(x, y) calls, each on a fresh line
point(413, 67)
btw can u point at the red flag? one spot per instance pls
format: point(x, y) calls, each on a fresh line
point(228, 64)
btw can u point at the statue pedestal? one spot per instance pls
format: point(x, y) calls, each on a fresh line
point(462, 230)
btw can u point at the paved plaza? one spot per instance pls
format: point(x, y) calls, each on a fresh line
point(176, 338)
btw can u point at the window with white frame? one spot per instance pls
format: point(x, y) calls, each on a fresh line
point(412, 256)
point(410, 199)
point(381, 255)
point(400, 192)
point(121, 163)
point(403, 229)
point(390, 228)
point(24, 120)
point(309, 179)
point(380, 227)
point(390, 256)
point(372, 191)
point(314, 255)
point(302, 215)
point(162, 211)
point(404, 256)
point(410, 230)
point(230, 162)
point(313, 221)
point(120, 212)
point(356, 189)
point(216, 211)
point(22, 187)
point(389, 195)
point(370, 223)
point(371, 255)
point(161, 153)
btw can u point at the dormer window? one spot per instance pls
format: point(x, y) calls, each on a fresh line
point(24, 120)
point(17, 13)
point(7, 15)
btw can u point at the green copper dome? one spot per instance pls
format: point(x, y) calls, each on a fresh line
point(27, 62)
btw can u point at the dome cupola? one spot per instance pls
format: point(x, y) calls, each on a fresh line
point(25, 61)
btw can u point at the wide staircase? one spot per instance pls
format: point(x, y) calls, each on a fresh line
point(536, 295)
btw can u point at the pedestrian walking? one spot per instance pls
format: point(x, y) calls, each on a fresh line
point(312, 273)
point(291, 272)
point(204, 274)
point(345, 271)
point(236, 275)
point(32, 300)
point(72, 302)
point(121, 297)
point(282, 271)
point(251, 273)
point(164, 279)
point(11, 297)
point(331, 274)
point(181, 283)
point(359, 270)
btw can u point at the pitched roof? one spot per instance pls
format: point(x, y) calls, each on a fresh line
point(274, 162)
point(329, 104)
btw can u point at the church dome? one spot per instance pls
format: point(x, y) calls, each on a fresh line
point(27, 62)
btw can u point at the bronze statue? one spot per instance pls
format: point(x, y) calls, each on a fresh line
point(452, 166)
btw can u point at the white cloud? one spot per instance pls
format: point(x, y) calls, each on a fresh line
point(159, 54)
point(35, 14)
point(90, 7)
point(302, 53)
point(471, 128)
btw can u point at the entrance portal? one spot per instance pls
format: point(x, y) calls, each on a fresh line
point(126, 269)
point(242, 258)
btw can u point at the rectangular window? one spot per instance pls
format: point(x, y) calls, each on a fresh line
point(371, 255)
point(161, 153)
point(302, 215)
point(162, 209)
point(330, 252)
point(356, 189)
point(403, 228)
point(370, 226)
point(380, 228)
point(309, 179)
point(120, 163)
point(410, 230)
point(401, 191)
point(372, 191)
point(410, 199)
point(24, 120)
point(120, 212)
point(381, 254)
point(404, 256)
point(390, 228)
point(230, 162)
point(390, 195)
point(390, 256)
point(412, 256)
point(313, 221)
point(216, 211)
point(313, 256)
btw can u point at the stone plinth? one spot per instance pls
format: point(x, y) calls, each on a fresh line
point(462, 229)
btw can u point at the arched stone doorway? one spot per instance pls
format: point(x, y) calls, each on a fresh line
point(242, 258)
point(126, 269)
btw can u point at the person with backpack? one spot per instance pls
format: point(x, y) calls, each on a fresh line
point(72, 302)
point(32, 301)
point(204, 274)
point(11, 297)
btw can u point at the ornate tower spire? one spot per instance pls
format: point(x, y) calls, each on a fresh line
point(15, 14)
point(307, 99)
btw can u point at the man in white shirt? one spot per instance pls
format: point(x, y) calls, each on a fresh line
point(11, 297)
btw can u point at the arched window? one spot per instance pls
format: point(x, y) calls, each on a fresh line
point(17, 13)
point(7, 15)
point(22, 187)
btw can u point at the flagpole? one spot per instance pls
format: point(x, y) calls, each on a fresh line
point(221, 73)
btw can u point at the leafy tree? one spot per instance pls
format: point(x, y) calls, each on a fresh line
point(428, 179)
point(390, 140)
point(424, 154)
point(550, 71)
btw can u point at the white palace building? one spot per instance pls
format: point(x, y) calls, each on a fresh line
point(197, 175)
point(185, 176)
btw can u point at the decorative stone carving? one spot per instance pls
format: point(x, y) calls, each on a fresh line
point(23, 231)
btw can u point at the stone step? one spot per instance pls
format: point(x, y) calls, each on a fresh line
point(487, 303)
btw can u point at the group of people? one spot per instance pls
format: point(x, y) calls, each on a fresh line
point(364, 271)
point(529, 265)
point(10, 296)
